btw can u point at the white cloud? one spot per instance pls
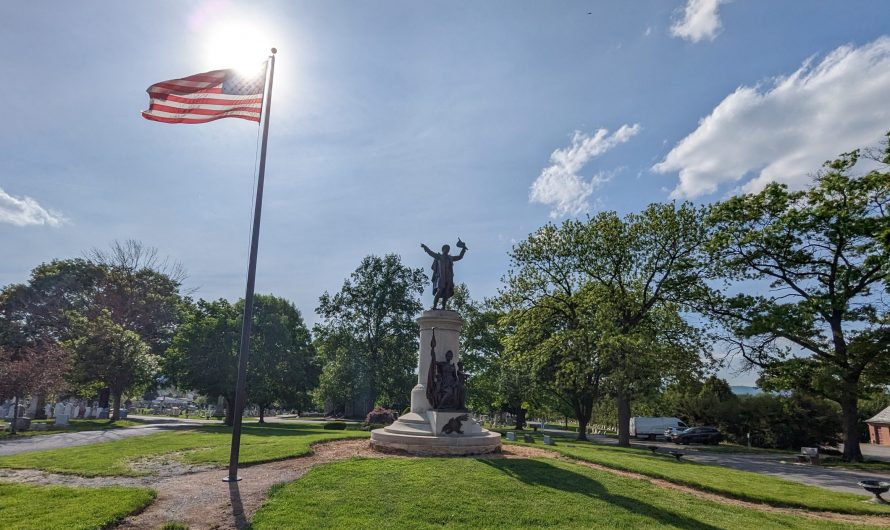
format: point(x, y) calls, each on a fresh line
point(700, 21)
point(784, 130)
point(24, 211)
point(559, 184)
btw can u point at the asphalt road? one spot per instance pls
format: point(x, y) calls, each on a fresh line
point(42, 442)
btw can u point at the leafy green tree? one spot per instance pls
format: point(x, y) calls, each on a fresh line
point(494, 385)
point(128, 285)
point(368, 333)
point(203, 355)
point(107, 353)
point(821, 326)
point(282, 366)
point(642, 267)
point(548, 309)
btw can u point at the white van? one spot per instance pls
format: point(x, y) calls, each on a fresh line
point(643, 427)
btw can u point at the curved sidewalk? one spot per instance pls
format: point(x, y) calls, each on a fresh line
point(42, 442)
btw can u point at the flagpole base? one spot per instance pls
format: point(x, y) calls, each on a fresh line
point(230, 479)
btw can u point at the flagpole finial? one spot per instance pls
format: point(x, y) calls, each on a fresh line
point(274, 51)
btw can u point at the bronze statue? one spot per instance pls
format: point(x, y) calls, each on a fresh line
point(455, 424)
point(445, 382)
point(443, 272)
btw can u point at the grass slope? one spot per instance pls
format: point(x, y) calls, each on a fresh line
point(732, 482)
point(481, 493)
point(203, 445)
point(29, 507)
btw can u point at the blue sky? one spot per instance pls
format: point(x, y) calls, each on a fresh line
point(396, 123)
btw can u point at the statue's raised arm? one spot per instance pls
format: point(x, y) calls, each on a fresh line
point(428, 251)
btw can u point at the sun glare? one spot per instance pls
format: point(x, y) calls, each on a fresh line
point(237, 45)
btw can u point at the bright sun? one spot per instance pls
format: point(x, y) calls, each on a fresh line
point(237, 45)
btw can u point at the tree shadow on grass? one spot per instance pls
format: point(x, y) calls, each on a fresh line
point(544, 474)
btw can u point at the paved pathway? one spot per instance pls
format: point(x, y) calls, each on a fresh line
point(27, 444)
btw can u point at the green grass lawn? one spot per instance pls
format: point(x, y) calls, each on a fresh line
point(873, 466)
point(75, 426)
point(30, 507)
point(482, 493)
point(732, 482)
point(201, 445)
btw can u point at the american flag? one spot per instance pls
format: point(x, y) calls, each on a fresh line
point(206, 97)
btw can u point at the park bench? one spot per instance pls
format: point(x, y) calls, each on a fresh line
point(676, 454)
point(809, 455)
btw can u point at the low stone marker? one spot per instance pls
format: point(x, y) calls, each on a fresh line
point(528, 438)
point(123, 414)
point(548, 440)
point(62, 420)
point(810, 454)
point(511, 436)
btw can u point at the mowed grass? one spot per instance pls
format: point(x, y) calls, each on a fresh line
point(30, 507)
point(743, 485)
point(496, 493)
point(202, 445)
point(75, 426)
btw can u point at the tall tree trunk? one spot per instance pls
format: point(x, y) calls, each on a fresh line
point(116, 406)
point(623, 402)
point(230, 412)
point(262, 413)
point(583, 409)
point(850, 409)
point(520, 419)
point(104, 394)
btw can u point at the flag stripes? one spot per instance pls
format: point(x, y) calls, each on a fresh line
point(206, 97)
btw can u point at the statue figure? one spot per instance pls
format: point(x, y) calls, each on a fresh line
point(454, 425)
point(445, 381)
point(443, 272)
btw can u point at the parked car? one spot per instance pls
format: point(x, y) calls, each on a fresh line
point(704, 435)
point(673, 431)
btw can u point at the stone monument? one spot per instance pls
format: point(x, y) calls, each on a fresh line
point(438, 423)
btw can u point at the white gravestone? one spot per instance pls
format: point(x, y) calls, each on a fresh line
point(97, 411)
point(48, 410)
point(59, 409)
point(62, 420)
point(68, 409)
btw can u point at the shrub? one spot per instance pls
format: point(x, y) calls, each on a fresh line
point(381, 415)
point(335, 426)
point(372, 426)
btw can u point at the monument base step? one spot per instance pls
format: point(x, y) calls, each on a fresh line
point(429, 445)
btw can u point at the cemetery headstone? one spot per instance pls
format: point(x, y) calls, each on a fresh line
point(103, 413)
point(47, 410)
point(511, 436)
point(62, 420)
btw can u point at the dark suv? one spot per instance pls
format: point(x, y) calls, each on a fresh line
point(704, 435)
